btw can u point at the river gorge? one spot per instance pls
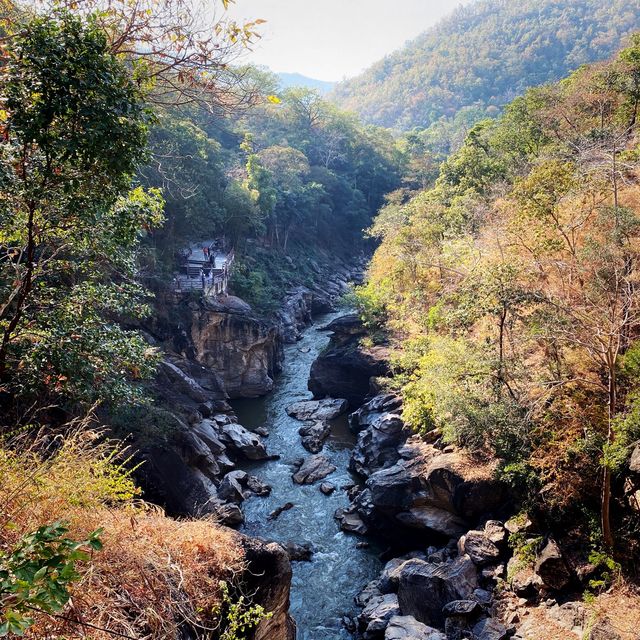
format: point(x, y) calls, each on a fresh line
point(323, 588)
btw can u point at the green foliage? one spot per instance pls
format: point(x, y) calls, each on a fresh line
point(450, 389)
point(239, 616)
point(146, 422)
point(522, 478)
point(607, 569)
point(525, 550)
point(480, 57)
point(260, 278)
point(508, 288)
point(70, 225)
point(37, 573)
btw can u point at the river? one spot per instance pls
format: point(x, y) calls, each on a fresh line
point(322, 590)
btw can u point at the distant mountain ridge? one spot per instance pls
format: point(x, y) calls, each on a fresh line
point(288, 80)
point(485, 54)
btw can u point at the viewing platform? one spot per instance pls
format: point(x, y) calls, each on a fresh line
point(204, 266)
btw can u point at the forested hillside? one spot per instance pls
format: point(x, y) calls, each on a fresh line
point(290, 174)
point(483, 56)
point(509, 292)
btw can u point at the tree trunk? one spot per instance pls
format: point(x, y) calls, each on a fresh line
point(605, 509)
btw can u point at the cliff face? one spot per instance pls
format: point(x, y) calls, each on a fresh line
point(244, 351)
point(346, 368)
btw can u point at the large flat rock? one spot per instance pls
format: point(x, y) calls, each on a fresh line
point(326, 409)
point(314, 468)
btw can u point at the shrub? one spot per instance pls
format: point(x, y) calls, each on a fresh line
point(153, 574)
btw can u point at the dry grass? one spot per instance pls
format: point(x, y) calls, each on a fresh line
point(620, 606)
point(154, 572)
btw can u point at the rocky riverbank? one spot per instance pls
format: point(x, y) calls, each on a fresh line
point(462, 562)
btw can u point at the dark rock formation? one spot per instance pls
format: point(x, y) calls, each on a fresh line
point(314, 434)
point(268, 578)
point(244, 351)
point(490, 629)
point(604, 630)
point(376, 615)
point(327, 488)
point(368, 413)
point(299, 552)
point(276, 513)
point(350, 521)
point(479, 548)
point(378, 444)
point(424, 588)
point(243, 442)
point(551, 567)
point(314, 468)
point(408, 628)
point(317, 410)
point(345, 368)
point(431, 491)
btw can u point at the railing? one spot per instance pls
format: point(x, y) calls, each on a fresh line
point(215, 284)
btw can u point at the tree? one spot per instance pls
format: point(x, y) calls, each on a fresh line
point(183, 52)
point(74, 130)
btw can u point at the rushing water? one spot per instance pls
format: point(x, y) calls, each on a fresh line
point(323, 589)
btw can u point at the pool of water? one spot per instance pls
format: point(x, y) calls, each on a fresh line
point(322, 590)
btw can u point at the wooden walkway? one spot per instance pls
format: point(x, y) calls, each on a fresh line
point(201, 273)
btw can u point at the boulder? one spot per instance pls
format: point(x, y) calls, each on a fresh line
point(207, 431)
point(299, 552)
point(314, 434)
point(257, 487)
point(372, 590)
point(572, 616)
point(496, 532)
point(326, 409)
point(376, 615)
point(479, 548)
point(551, 567)
point(392, 489)
point(275, 514)
point(231, 488)
point(408, 628)
point(433, 519)
point(371, 411)
point(350, 521)
point(604, 630)
point(490, 629)
point(327, 488)
point(242, 441)
point(390, 575)
point(524, 582)
point(378, 444)
point(267, 578)
point(314, 468)
point(483, 597)
point(345, 368)
point(182, 382)
point(346, 326)
point(424, 588)
point(226, 513)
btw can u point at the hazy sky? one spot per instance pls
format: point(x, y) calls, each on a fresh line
point(333, 39)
